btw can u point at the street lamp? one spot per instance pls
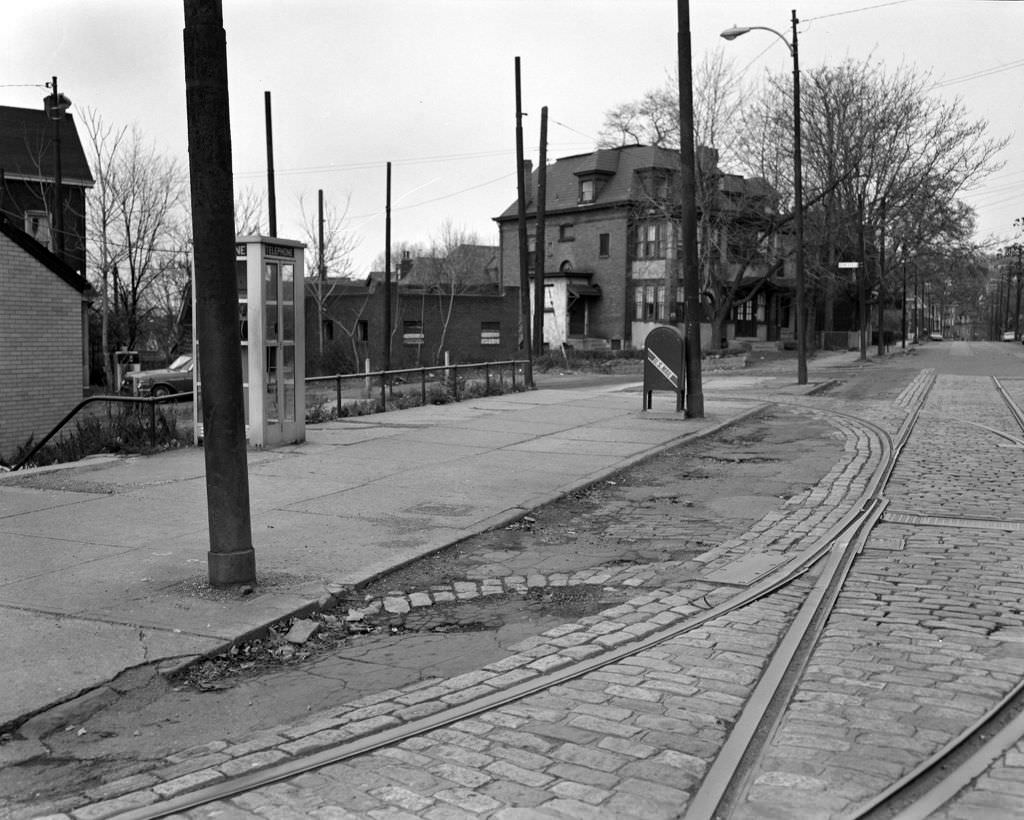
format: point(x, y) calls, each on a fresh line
point(798, 206)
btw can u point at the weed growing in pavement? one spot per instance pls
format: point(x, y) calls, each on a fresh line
point(596, 361)
point(126, 430)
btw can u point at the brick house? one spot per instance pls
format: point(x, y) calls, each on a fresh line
point(28, 139)
point(42, 339)
point(611, 239)
point(455, 305)
point(44, 310)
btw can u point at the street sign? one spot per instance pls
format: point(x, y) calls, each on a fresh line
point(847, 265)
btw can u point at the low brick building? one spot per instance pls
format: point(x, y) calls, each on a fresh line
point(41, 338)
point(474, 324)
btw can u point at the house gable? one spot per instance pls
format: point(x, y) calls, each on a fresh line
point(40, 254)
point(26, 148)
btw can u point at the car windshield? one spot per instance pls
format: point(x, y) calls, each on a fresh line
point(182, 363)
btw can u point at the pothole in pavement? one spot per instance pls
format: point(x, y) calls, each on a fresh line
point(594, 549)
point(331, 629)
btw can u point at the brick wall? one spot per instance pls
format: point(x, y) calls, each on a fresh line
point(40, 348)
point(462, 339)
point(609, 315)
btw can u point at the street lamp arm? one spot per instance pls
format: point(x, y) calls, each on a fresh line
point(736, 31)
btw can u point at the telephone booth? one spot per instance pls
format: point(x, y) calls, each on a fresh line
point(269, 272)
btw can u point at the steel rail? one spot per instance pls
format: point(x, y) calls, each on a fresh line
point(969, 754)
point(1015, 411)
point(727, 779)
point(784, 575)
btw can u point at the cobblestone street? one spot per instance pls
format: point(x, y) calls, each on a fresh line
point(624, 712)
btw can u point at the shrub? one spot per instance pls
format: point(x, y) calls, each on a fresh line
point(125, 430)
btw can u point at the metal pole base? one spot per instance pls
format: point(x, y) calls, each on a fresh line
point(229, 568)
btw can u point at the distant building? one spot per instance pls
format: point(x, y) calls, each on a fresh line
point(612, 237)
point(455, 304)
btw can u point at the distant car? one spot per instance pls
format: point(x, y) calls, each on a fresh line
point(935, 336)
point(162, 382)
point(1008, 336)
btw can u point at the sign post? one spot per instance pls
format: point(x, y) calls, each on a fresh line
point(664, 364)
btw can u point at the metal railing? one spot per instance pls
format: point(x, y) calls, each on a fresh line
point(387, 379)
point(151, 402)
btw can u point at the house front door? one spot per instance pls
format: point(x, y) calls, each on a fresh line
point(748, 315)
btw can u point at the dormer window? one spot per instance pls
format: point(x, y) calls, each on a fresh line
point(588, 190)
point(37, 225)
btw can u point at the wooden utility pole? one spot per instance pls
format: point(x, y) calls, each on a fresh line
point(56, 112)
point(881, 283)
point(524, 247)
point(271, 195)
point(321, 270)
point(862, 300)
point(538, 265)
point(231, 558)
point(688, 221)
point(387, 273)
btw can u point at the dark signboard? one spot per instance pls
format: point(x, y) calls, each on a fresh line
point(664, 364)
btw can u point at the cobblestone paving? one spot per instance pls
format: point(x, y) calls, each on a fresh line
point(926, 634)
point(628, 740)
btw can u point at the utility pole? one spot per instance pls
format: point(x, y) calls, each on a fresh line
point(881, 283)
point(538, 265)
point(271, 195)
point(321, 271)
point(387, 273)
point(231, 558)
point(798, 218)
point(524, 248)
point(862, 301)
point(903, 313)
point(688, 219)
point(55, 108)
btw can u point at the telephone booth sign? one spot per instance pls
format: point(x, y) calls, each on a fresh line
point(664, 364)
point(269, 273)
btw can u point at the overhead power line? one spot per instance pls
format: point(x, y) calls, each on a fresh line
point(854, 11)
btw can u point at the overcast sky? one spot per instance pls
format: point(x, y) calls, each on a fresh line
point(429, 85)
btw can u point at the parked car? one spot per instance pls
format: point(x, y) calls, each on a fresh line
point(161, 382)
point(935, 336)
point(1007, 336)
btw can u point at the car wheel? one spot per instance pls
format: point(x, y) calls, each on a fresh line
point(160, 391)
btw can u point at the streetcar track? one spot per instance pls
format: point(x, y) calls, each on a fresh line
point(938, 779)
point(725, 781)
point(860, 508)
point(951, 522)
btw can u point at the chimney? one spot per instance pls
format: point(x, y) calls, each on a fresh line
point(531, 192)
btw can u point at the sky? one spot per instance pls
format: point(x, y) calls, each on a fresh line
point(429, 85)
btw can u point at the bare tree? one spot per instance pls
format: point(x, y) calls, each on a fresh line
point(455, 271)
point(102, 253)
point(879, 150)
point(250, 206)
point(334, 260)
point(654, 118)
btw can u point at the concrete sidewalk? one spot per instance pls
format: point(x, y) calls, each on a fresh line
point(103, 563)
